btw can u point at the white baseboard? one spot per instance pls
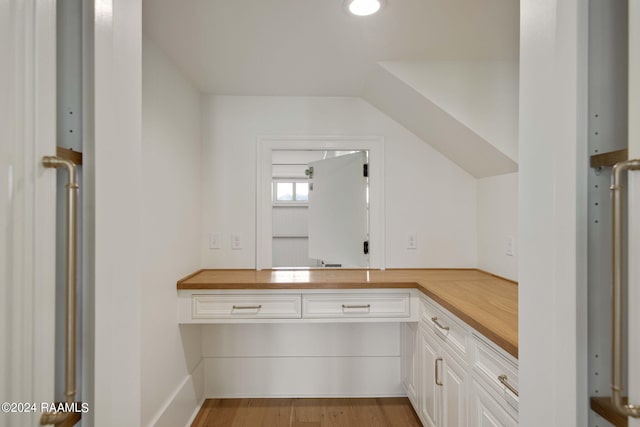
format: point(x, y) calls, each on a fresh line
point(195, 413)
point(183, 405)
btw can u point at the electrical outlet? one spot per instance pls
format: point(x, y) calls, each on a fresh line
point(236, 241)
point(412, 241)
point(510, 246)
point(214, 240)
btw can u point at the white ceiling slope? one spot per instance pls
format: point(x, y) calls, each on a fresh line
point(313, 47)
point(482, 95)
point(435, 126)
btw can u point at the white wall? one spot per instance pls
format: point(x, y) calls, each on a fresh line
point(425, 192)
point(170, 232)
point(552, 213)
point(498, 221)
point(483, 95)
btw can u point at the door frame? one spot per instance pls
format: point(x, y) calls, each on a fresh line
point(264, 223)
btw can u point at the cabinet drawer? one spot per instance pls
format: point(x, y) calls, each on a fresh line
point(496, 371)
point(445, 327)
point(355, 305)
point(245, 306)
point(487, 411)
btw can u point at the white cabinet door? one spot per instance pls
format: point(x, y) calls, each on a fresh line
point(409, 365)
point(338, 211)
point(429, 390)
point(485, 410)
point(454, 393)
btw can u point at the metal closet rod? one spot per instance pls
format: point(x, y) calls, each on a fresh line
point(57, 418)
point(616, 381)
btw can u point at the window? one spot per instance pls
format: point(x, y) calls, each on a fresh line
point(289, 191)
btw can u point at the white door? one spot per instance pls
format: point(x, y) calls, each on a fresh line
point(338, 211)
point(27, 208)
point(634, 208)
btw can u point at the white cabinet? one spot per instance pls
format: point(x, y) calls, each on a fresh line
point(454, 376)
point(245, 306)
point(443, 392)
point(202, 306)
point(343, 305)
point(495, 389)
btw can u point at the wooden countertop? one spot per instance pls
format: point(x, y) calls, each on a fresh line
point(487, 303)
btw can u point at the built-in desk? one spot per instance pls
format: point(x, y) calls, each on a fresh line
point(440, 337)
point(485, 302)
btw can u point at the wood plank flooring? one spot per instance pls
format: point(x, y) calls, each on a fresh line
point(360, 412)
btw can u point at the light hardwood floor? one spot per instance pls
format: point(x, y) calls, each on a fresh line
point(370, 412)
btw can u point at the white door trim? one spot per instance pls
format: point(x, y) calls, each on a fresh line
point(112, 178)
point(266, 144)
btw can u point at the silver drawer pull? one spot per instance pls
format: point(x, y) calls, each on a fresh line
point(344, 306)
point(247, 307)
point(438, 382)
point(440, 325)
point(505, 382)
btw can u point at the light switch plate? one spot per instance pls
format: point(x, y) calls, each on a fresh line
point(412, 241)
point(214, 240)
point(510, 246)
point(236, 241)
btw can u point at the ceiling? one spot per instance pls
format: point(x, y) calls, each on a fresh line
point(313, 47)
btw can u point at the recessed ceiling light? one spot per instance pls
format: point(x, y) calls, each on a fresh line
point(363, 7)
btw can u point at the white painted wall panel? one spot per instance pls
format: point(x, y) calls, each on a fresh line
point(498, 221)
point(290, 221)
point(302, 377)
point(279, 360)
point(170, 232)
point(303, 340)
point(442, 216)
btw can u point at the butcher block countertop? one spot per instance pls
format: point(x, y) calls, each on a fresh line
point(487, 303)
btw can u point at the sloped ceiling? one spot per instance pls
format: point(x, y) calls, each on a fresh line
point(436, 126)
point(315, 48)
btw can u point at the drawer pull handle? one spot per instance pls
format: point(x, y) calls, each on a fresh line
point(440, 325)
point(505, 382)
point(247, 307)
point(438, 382)
point(344, 306)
